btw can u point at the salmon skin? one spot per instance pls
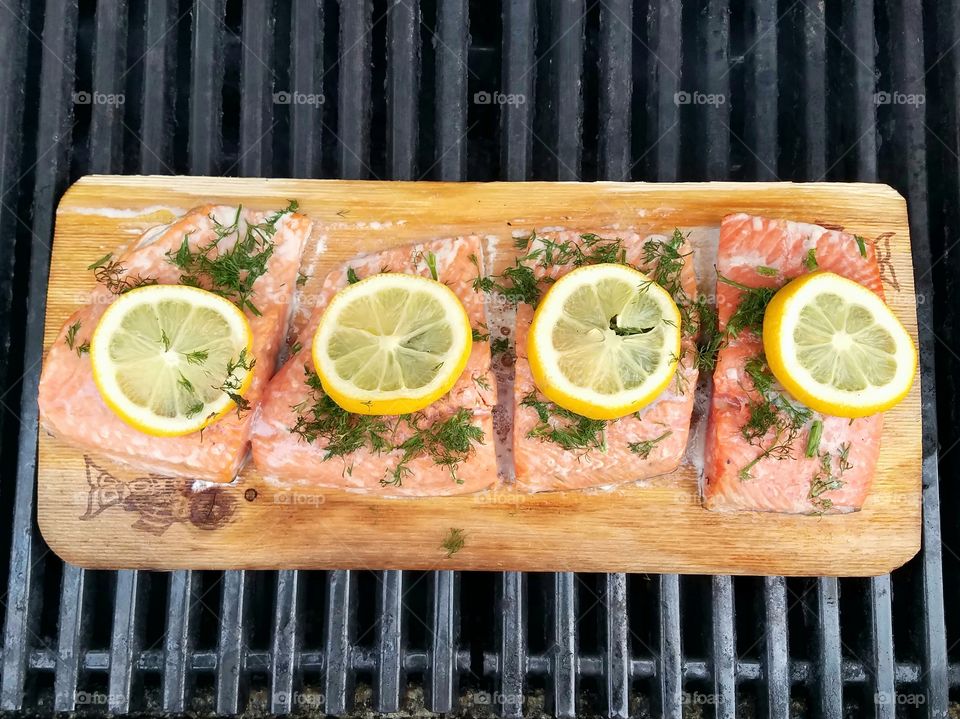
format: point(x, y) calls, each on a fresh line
point(838, 476)
point(295, 438)
point(642, 445)
point(70, 404)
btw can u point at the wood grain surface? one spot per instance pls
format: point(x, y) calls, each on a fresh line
point(97, 514)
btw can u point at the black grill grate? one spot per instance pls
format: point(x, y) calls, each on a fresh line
point(397, 92)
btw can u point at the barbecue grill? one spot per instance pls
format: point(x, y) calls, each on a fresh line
point(647, 90)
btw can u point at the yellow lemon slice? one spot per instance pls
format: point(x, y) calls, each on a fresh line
point(836, 346)
point(391, 344)
point(605, 341)
point(171, 359)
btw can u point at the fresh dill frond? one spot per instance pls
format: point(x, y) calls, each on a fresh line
point(301, 279)
point(749, 313)
point(83, 349)
point(296, 347)
point(810, 260)
point(453, 542)
point(481, 382)
point(100, 263)
point(567, 429)
point(431, 260)
point(447, 443)
point(479, 336)
point(767, 271)
point(499, 346)
point(113, 276)
point(230, 272)
point(644, 448)
point(352, 276)
point(231, 385)
point(186, 384)
point(823, 481)
point(197, 357)
point(165, 340)
point(71, 336)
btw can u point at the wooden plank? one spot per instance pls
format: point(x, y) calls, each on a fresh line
point(90, 509)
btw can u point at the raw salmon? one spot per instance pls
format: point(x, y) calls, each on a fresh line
point(657, 433)
point(70, 404)
point(838, 476)
point(284, 447)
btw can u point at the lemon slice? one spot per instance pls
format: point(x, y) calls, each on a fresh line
point(836, 346)
point(605, 341)
point(171, 359)
point(391, 344)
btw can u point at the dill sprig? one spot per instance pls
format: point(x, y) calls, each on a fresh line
point(749, 313)
point(810, 260)
point(823, 481)
point(813, 439)
point(499, 346)
point(772, 413)
point(861, 245)
point(571, 431)
point(113, 276)
point(352, 276)
point(71, 336)
point(448, 442)
point(231, 385)
point(230, 272)
point(479, 336)
point(767, 271)
point(645, 447)
point(453, 542)
point(320, 418)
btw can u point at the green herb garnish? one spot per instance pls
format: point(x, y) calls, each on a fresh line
point(479, 336)
point(453, 542)
point(431, 260)
point(71, 336)
point(565, 428)
point(100, 263)
point(749, 313)
point(767, 271)
point(231, 385)
point(810, 260)
point(301, 279)
point(197, 357)
point(645, 447)
point(165, 340)
point(499, 346)
point(352, 276)
point(232, 271)
point(447, 443)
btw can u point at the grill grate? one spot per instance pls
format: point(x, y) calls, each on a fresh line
point(395, 89)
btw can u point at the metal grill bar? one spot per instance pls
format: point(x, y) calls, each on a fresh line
point(663, 21)
point(126, 639)
point(616, 88)
point(828, 661)
point(519, 75)
point(256, 117)
point(513, 644)
point(717, 82)
point(441, 676)
point(567, 51)
point(564, 666)
point(616, 658)
point(669, 668)
point(73, 635)
point(452, 43)
point(724, 649)
point(159, 70)
point(178, 640)
point(775, 668)
point(284, 671)
point(762, 122)
point(206, 83)
point(353, 126)
point(390, 676)
point(340, 631)
point(231, 682)
point(53, 137)
point(403, 70)
point(106, 117)
point(306, 76)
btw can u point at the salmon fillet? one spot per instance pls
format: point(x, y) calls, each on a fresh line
point(70, 404)
point(657, 433)
point(838, 477)
point(284, 447)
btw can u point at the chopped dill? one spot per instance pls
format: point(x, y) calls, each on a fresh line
point(71, 336)
point(645, 447)
point(565, 428)
point(810, 260)
point(230, 272)
point(843, 458)
point(861, 245)
point(479, 336)
point(453, 542)
point(499, 346)
point(301, 279)
point(352, 276)
point(165, 340)
point(447, 442)
point(83, 349)
point(823, 481)
point(749, 313)
point(296, 347)
point(772, 413)
point(813, 439)
point(482, 382)
point(231, 385)
point(767, 271)
point(431, 260)
point(113, 276)
point(186, 384)
point(197, 357)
